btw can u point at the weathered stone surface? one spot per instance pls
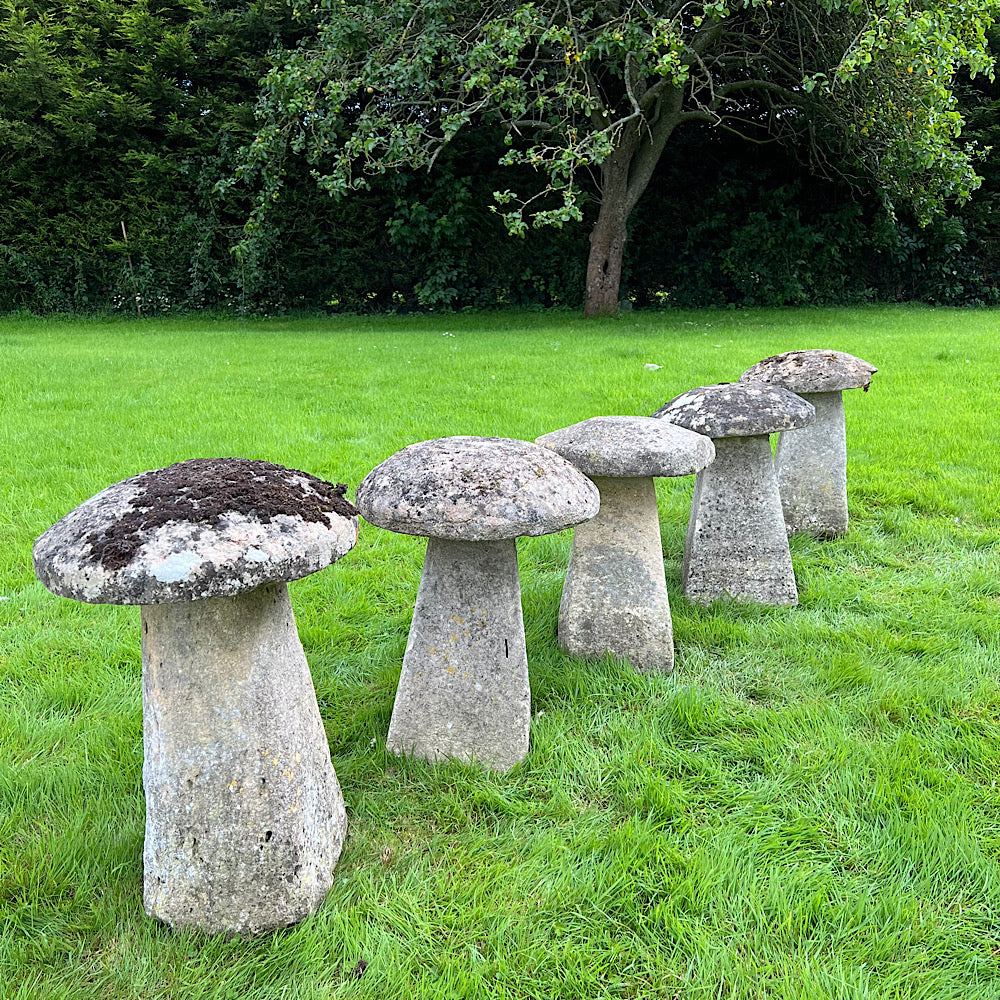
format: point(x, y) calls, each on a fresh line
point(811, 466)
point(463, 691)
point(476, 489)
point(812, 371)
point(736, 542)
point(630, 447)
point(811, 463)
point(614, 599)
point(615, 596)
point(235, 525)
point(244, 815)
point(734, 409)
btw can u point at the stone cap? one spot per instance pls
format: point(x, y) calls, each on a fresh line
point(476, 489)
point(208, 527)
point(737, 409)
point(624, 447)
point(812, 371)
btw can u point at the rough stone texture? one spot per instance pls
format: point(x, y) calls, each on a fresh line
point(812, 371)
point(187, 549)
point(811, 463)
point(615, 596)
point(244, 815)
point(734, 409)
point(476, 489)
point(736, 542)
point(630, 447)
point(811, 466)
point(614, 599)
point(463, 692)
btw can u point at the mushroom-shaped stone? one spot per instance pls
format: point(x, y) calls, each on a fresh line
point(244, 815)
point(736, 541)
point(811, 462)
point(463, 690)
point(614, 599)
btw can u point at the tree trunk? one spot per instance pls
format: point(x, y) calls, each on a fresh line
point(604, 263)
point(624, 176)
point(607, 239)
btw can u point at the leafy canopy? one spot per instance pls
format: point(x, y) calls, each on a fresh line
point(378, 85)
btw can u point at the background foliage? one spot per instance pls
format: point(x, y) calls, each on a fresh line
point(115, 112)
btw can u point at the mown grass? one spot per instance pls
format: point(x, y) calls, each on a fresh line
point(807, 808)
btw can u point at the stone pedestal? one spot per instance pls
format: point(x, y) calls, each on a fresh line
point(614, 599)
point(463, 691)
point(737, 545)
point(244, 815)
point(811, 466)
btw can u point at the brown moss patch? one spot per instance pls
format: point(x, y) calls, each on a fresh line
point(203, 490)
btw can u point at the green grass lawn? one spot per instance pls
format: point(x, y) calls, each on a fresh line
point(807, 808)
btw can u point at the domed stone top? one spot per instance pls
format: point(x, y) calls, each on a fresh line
point(812, 371)
point(476, 489)
point(624, 447)
point(208, 527)
point(737, 409)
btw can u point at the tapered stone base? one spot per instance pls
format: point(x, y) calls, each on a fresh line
point(244, 815)
point(614, 599)
point(811, 466)
point(463, 691)
point(736, 542)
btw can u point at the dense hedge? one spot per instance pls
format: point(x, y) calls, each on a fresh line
point(116, 113)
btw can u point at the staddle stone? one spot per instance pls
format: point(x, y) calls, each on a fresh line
point(244, 815)
point(811, 461)
point(736, 543)
point(463, 689)
point(614, 598)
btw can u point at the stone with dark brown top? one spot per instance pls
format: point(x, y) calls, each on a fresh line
point(197, 529)
point(244, 815)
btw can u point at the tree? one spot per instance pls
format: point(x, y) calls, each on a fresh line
point(589, 93)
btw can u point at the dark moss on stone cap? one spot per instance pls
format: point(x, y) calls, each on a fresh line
point(208, 527)
point(476, 489)
point(631, 447)
point(735, 409)
point(812, 371)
